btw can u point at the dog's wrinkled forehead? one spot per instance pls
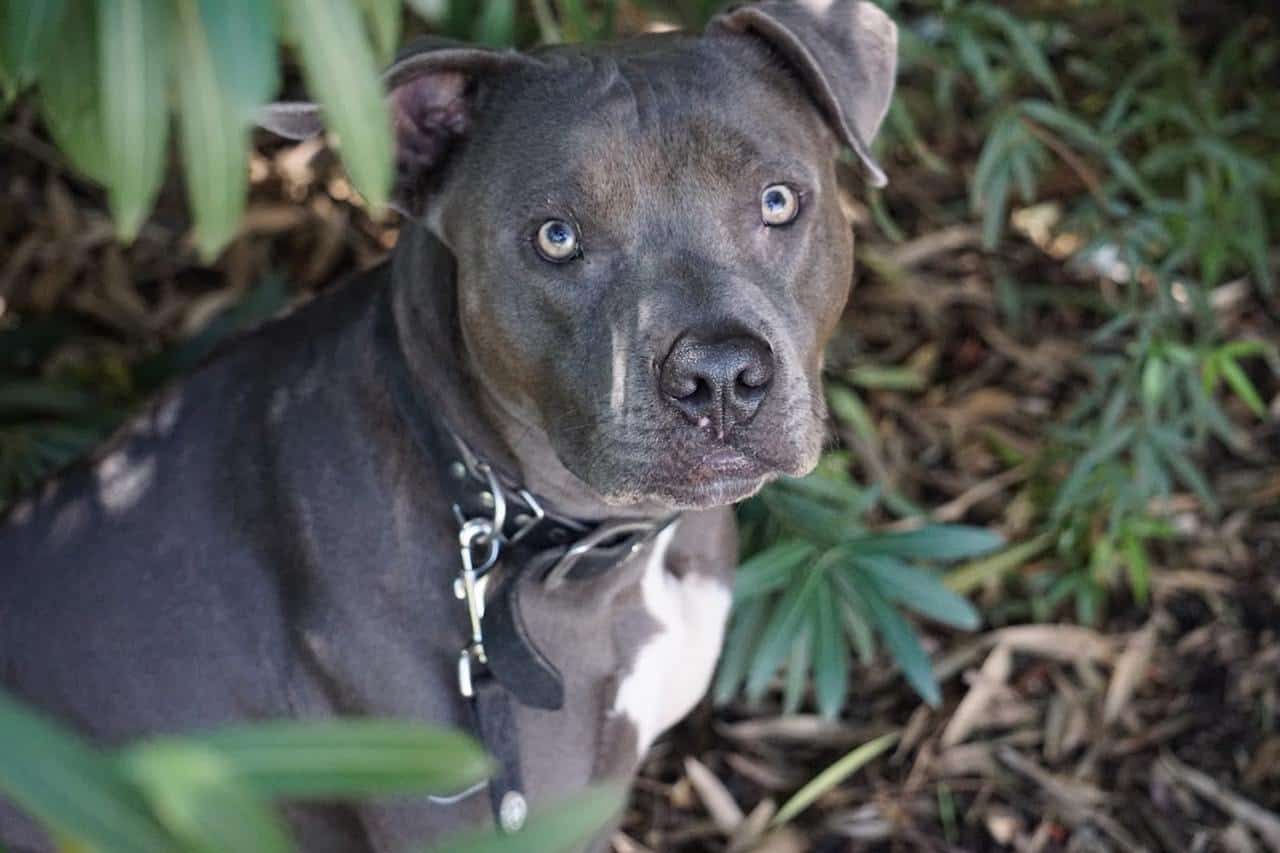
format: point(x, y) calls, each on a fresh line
point(672, 114)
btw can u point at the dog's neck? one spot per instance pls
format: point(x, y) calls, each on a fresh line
point(424, 298)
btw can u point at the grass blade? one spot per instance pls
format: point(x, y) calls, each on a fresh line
point(833, 776)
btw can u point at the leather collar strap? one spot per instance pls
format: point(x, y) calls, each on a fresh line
point(505, 534)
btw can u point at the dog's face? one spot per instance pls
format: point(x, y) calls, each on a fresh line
point(650, 249)
point(651, 257)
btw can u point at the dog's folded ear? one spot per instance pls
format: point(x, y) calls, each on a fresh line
point(432, 88)
point(844, 51)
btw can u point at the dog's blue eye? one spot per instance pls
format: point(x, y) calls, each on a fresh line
point(779, 204)
point(557, 240)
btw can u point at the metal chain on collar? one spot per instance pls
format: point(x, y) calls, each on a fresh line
point(479, 544)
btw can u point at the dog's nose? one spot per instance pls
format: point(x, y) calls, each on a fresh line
point(718, 383)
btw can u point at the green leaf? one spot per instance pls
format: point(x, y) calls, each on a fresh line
point(1073, 128)
point(575, 22)
point(829, 778)
point(995, 209)
point(27, 29)
point(770, 569)
point(781, 632)
point(196, 795)
point(134, 98)
point(830, 657)
point(1138, 567)
point(920, 591)
point(339, 67)
point(560, 828)
point(934, 542)
point(848, 408)
point(798, 665)
point(1025, 47)
point(1171, 449)
point(497, 24)
point(69, 787)
point(1242, 385)
point(964, 579)
point(69, 96)
point(214, 128)
point(384, 24)
point(744, 631)
point(1109, 446)
point(348, 758)
point(900, 639)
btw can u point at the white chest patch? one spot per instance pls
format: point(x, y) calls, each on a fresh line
point(673, 668)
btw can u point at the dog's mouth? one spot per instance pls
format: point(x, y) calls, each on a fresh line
point(700, 472)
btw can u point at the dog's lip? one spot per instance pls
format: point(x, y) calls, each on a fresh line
point(726, 458)
point(713, 491)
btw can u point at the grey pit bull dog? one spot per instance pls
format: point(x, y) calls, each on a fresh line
point(603, 324)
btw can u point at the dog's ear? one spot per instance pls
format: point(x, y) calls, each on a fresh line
point(432, 89)
point(844, 51)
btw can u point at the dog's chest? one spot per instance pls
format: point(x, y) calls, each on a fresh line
point(666, 670)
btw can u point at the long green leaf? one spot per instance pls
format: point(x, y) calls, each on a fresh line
point(69, 96)
point(780, 635)
point(559, 828)
point(195, 793)
point(133, 93)
point(934, 542)
point(69, 787)
point(215, 134)
point(384, 25)
point(339, 67)
point(830, 657)
point(900, 639)
point(920, 591)
point(770, 569)
point(964, 579)
point(833, 776)
point(27, 29)
point(349, 758)
point(748, 619)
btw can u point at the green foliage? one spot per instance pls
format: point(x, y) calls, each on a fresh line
point(108, 73)
point(1174, 194)
point(816, 582)
point(210, 792)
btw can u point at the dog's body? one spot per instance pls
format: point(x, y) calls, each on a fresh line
point(268, 540)
point(141, 617)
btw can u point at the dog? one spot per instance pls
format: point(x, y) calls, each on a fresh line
point(488, 483)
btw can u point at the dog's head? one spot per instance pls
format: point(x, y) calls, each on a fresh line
point(650, 249)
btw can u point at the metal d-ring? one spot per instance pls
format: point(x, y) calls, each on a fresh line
point(590, 542)
point(499, 498)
